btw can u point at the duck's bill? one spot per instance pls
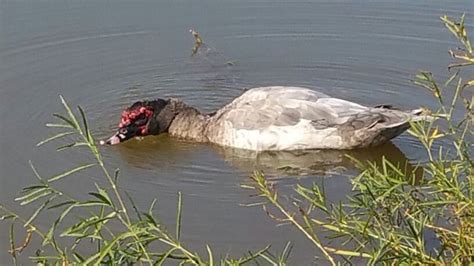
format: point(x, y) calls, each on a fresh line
point(115, 139)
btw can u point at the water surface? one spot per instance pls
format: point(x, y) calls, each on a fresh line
point(104, 55)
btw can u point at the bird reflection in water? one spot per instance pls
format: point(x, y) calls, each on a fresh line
point(157, 152)
point(316, 162)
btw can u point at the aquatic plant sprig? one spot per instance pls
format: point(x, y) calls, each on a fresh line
point(197, 41)
point(458, 29)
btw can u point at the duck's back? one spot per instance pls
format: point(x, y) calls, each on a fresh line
point(281, 118)
point(292, 118)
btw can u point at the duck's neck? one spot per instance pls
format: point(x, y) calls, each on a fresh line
point(189, 123)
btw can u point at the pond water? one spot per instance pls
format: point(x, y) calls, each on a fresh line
point(104, 55)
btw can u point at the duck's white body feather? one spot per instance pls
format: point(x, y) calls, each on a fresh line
point(291, 118)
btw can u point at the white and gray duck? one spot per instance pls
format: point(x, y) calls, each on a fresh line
point(270, 118)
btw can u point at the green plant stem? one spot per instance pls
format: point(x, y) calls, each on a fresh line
point(290, 218)
point(273, 198)
point(89, 140)
point(126, 222)
point(340, 230)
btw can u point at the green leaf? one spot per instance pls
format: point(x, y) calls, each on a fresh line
point(78, 257)
point(150, 219)
point(84, 122)
point(134, 206)
point(51, 231)
point(209, 252)
point(453, 76)
point(165, 256)
point(253, 256)
point(116, 175)
point(268, 259)
point(351, 253)
point(29, 188)
point(285, 254)
point(7, 217)
point(38, 211)
point(469, 83)
point(67, 120)
point(58, 125)
point(91, 203)
point(85, 224)
point(35, 171)
point(71, 145)
point(34, 195)
point(62, 204)
point(46, 258)
point(57, 136)
point(70, 113)
point(64, 213)
point(49, 235)
point(70, 172)
point(149, 214)
point(102, 199)
point(12, 237)
point(103, 195)
point(179, 216)
point(106, 249)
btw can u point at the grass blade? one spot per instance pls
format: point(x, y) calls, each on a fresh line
point(103, 195)
point(57, 136)
point(12, 242)
point(101, 198)
point(134, 206)
point(7, 217)
point(62, 204)
point(70, 145)
point(209, 252)
point(178, 216)
point(84, 122)
point(35, 172)
point(33, 195)
point(51, 231)
point(70, 172)
point(38, 211)
point(67, 120)
point(164, 257)
point(285, 254)
point(106, 249)
point(86, 224)
point(58, 125)
point(34, 187)
point(253, 256)
point(71, 115)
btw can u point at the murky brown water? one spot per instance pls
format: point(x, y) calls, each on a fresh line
point(104, 55)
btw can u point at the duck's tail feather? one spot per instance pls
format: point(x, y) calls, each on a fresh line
point(396, 122)
point(412, 116)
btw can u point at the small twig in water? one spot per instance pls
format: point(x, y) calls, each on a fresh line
point(198, 41)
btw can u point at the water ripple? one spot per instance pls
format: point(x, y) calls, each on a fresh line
point(69, 41)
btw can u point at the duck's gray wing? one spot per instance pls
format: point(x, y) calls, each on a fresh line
point(301, 119)
point(297, 121)
point(288, 111)
point(261, 107)
point(277, 94)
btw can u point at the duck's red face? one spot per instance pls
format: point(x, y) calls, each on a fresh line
point(135, 122)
